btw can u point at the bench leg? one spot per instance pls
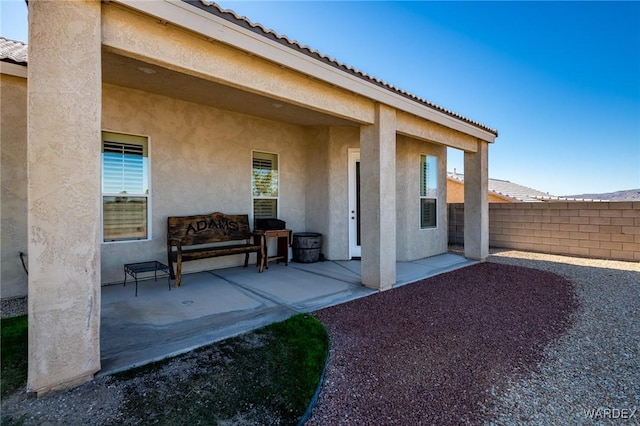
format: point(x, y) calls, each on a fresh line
point(171, 273)
point(179, 273)
point(246, 259)
point(262, 259)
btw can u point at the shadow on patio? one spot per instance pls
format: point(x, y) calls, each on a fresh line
point(214, 305)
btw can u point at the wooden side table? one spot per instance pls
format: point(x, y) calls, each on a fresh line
point(284, 237)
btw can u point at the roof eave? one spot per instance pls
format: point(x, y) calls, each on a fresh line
point(227, 28)
point(16, 69)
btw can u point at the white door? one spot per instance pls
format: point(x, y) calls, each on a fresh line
point(354, 203)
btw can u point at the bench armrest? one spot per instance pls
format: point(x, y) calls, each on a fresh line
point(174, 242)
point(258, 236)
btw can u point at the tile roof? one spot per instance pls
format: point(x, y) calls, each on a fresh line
point(243, 21)
point(510, 190)
point(12, 51)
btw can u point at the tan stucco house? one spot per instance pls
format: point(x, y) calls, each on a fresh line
point(500, 191)
point(168, 107)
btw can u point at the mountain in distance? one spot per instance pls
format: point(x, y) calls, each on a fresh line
point(626, 195)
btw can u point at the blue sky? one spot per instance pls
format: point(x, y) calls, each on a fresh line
point(560, 81)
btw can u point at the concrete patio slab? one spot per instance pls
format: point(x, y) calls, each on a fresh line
point(161, 323)
point(445, 260)
point(215, 305)
point(192, 300)
point(409, 272)
point(343, 270)
point(301, 288)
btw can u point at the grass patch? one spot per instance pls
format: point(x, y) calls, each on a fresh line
point(13, 354)
point(264, 377)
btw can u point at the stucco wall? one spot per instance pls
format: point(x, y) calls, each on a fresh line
point(160, 42)
point(13, 207)
point(455, 194)
point(200, 163)
point(411, 241)
point(317, 190)
point(609, 230)
point(455, 191)
point(63, 160)
point(194, 149)
point(327, 189)
point(341, 140)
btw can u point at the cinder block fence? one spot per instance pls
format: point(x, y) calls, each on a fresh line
point(606, 230)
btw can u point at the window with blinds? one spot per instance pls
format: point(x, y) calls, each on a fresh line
point(125, 187)
point(428, 191)
point(264, 185)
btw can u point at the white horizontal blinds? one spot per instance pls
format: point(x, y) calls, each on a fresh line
point(427, 213)
point(428, 176)
point(125, 187)
point(122, 168)
point(124, 218)
point(264, 184)
point(428, 190)
point(265, 174)
point(265, 208)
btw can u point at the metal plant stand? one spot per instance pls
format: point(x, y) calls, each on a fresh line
point(135, 269)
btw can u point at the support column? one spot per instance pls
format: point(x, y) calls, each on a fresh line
point(63, 165)
point(476, 202)
point(378, 200)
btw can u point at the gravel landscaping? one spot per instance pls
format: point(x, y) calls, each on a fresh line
point(13, 307)
point(556, 344)
point(591, 374)
point(524, 338)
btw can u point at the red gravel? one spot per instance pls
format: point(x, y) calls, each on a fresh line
point(429, 352)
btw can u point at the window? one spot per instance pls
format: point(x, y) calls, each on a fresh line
point(428, 191)
point(264, 184)
point(125, 187)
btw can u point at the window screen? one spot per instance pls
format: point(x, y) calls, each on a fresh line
point(264, 185)
point(428, 191)
point(125, 187)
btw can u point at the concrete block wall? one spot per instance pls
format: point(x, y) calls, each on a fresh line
point(606, 230)
point(456, 222)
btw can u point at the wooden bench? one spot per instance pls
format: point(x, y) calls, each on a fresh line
point(193, 238)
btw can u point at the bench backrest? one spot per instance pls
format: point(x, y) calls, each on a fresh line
point(207, 228)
